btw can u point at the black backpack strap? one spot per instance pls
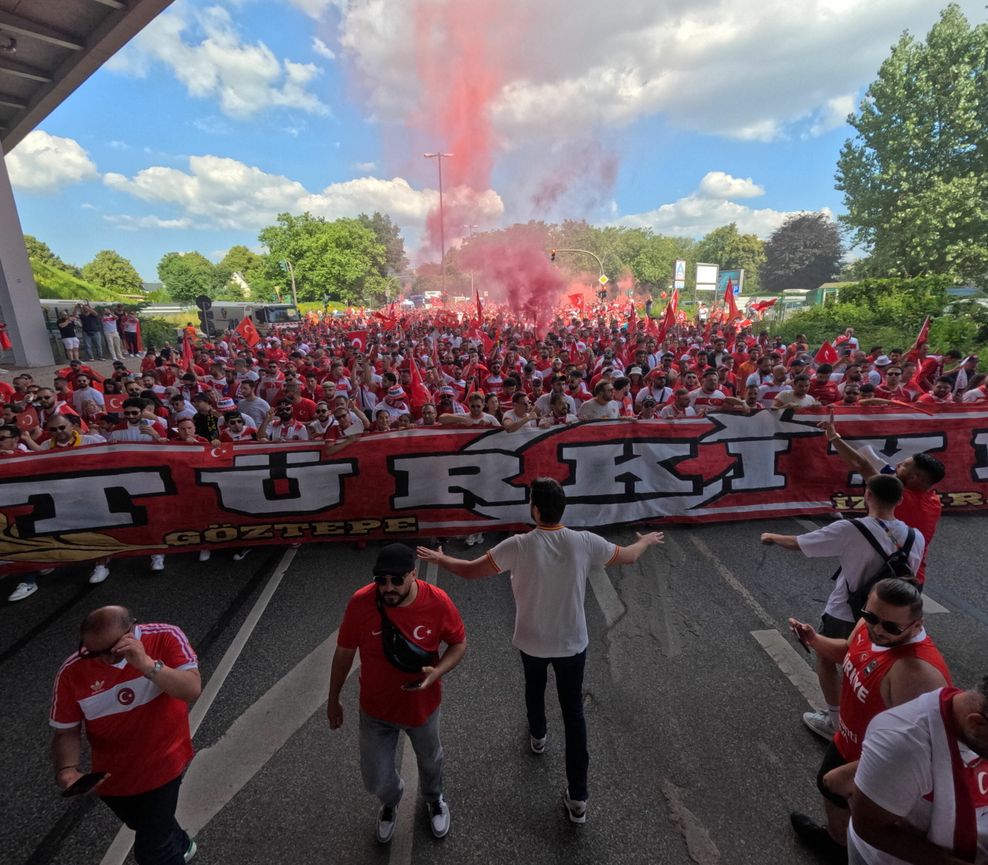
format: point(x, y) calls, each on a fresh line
point(872, 540)
point(908, 545)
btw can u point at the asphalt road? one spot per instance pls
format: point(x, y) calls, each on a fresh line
point(698, 753)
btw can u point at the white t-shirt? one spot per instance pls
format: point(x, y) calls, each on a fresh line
point(593, 410)
point(896, 773)
point(858, 559)
point(542, 403)
point(549, 570)
point(511, 417)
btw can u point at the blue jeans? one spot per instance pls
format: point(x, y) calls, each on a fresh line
point(94, 344)
point(379, 746)
point(569, 689)
point(158, 839)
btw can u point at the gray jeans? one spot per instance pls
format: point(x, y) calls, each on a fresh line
point(94, 344)
point(379, 746)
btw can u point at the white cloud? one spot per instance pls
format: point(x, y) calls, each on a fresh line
point(221, 193)
point(314, 8)
point(833, 115)
point(746, 69)
point(206, 53)
point(708, 208)
point(718, 184)
point(45, 163)
point(322, 49)
point(137, 223)
point(364, 166)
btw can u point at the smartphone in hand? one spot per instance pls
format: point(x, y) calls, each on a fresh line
point(83, 785)
point(799, 637)
point(411, 686)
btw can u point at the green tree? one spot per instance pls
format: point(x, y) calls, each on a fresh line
point(186, 275)
point(334, 259)
point(729, 248)
point(915, 177)
point(804, 252)
point(389, 236)
point(112, 271)
point(38, 250)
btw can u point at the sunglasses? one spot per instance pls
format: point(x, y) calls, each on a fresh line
point(56, 428)
point(394, 579)
point(889, 627)
point(132, 414)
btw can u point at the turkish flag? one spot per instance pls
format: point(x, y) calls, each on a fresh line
point(576, 299)
point(358, 337)
point(221, 452)
point(827, 354)
point(114, 402)
point(247, 330)
point(187, 353)
point(419, 393)
point(924, 333)
point(480, 311)
point(762, 305)
point(27, 420)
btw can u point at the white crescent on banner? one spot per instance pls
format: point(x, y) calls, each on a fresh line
point(215, 453)
point(416, 633)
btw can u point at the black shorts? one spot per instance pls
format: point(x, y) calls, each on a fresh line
point(832, 759)
point(838, 629)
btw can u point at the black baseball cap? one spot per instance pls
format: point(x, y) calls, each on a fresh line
point(395, 560)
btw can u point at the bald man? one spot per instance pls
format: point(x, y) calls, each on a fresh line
point(132, 684)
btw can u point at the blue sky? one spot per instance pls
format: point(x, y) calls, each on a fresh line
point(224, 112)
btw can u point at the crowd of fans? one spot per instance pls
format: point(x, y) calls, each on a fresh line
point(336, 378)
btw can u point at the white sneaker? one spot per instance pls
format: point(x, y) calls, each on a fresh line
point(387, 819)
point(819, 723)
point(158, 562)
point(439, 817)
point(576, 810)
point(100, 573)
point(23, 590)
point(538, 745)
point(204, 555)
point(192, 849)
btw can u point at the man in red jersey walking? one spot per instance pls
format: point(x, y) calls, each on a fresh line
point(131, 685)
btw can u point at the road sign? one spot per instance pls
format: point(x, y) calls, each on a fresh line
point(680, 271)
point(204, 302)
point(603, 280)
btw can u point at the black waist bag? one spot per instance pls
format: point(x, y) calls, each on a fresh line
point(399, 650)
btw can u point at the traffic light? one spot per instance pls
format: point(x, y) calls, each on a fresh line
point(553, 256)
point(206, 322)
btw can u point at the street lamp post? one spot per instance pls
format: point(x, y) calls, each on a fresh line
point(439, 157)
point(291, 273)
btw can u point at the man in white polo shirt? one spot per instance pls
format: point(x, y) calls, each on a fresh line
point(549, 569)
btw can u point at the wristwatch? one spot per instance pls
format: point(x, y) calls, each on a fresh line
point(150, 674)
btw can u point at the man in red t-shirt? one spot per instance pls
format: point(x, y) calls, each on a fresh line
point(130, 685)
point(398, 623)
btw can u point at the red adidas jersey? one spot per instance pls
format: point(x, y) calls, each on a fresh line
point(137, 732)
point(429, 620)
point(864, 667)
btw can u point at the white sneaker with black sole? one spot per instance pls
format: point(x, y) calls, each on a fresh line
point(819, 723)
point(576, 810)
point(192, 850)
point(439, 819)
point(538, 745)
point(100, 573)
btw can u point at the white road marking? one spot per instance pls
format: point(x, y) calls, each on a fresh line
point(408, 768)
point(124, 839)
point(699, 845)
point(732, 581)
point(931, 606)
point(796, 670)
point(606, 595)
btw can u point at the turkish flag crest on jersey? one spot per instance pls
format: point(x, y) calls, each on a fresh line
point(247, 330)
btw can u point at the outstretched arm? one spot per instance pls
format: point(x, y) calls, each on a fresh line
point(631, 554)
point(466, 568)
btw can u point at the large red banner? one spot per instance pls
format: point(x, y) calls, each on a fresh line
point(128, 499)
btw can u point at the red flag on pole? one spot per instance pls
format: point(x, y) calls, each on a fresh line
point(187, 353)
point(924, 333)
point(480, 310)
point(827, 354)
point(576, 299)
point(418, 393)
point(247, 330)
point(729, 302)
point(762, 305)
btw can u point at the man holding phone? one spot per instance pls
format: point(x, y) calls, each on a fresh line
point(132, 685)
point(398, 623)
